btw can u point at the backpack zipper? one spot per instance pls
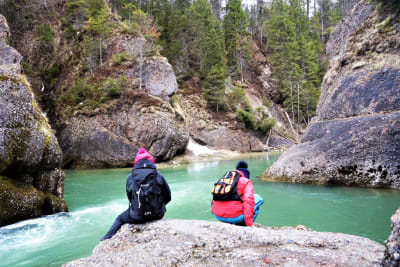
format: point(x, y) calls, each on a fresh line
point(138, 193)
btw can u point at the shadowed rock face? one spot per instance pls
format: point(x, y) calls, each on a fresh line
point(355, 138)
point(112, 140)
point(203, 243)
point(31, 182)
point(363, 92)
point(345, 151)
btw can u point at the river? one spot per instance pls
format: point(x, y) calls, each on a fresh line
point(96, 197)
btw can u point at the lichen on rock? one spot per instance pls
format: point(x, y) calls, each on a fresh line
point(29, 151)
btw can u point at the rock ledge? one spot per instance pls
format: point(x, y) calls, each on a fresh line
point(172, 242)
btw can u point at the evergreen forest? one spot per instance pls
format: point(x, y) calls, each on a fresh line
point(208, 43)
point(211, 41)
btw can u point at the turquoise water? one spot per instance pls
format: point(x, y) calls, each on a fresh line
point(96, 197)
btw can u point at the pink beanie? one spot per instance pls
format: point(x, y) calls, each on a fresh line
point(143, 154)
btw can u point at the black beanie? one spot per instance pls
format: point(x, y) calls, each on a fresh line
point(241, 164)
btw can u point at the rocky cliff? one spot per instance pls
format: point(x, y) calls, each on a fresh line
point(104, 99)
point(112, 140)
point(106, 105)
point(223, 130)
point(355, 138)
point(202, 243)
point(31, 181)
point(110, 135)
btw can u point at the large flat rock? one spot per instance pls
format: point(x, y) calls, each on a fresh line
point(203, 243)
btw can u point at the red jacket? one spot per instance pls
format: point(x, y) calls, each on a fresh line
point(233, 208)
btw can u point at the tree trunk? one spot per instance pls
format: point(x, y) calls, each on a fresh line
point(341, 43)
point(241, 61)
point(101, 54)
point(315, 5)
point(291, 99)
point(322, 22)
point(140, 65)
point(216, 8)
point(298, 104)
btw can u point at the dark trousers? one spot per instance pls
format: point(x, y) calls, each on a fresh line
point(123, 218)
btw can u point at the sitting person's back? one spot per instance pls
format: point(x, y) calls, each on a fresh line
point(147, 191)
point(239, 211)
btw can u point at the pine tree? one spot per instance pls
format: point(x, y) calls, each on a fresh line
point(176, 38)
point(208, 38)
point(98, 26)
point(294, 47)
point(214, 88)
point(235, 28)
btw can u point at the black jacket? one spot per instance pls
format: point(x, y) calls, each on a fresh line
point(165, 191)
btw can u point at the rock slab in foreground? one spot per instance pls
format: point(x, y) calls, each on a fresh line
point(200, 243)
point(392, 252)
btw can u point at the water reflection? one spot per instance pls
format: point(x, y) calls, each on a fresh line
point(198, 166)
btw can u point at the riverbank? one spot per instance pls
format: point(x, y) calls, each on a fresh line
point(198, 153)
point(171, 242)
point(96, 197)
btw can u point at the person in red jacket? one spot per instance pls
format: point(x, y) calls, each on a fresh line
point(239, 212)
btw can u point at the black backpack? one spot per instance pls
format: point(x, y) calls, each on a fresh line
point(225, 188)
point(146, 199)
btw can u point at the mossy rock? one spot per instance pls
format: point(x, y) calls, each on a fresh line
point(54, 204)
point(19, 201)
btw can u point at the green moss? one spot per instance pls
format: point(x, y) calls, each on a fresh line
point(117, 59)
point(45, 34)
point(20, 79)
point(16, 143)
point(52, 73)
point(11, 185)
point(174, 99)
point(27, 68)
point(267, 102)
point(19, 201)
point(385, 26)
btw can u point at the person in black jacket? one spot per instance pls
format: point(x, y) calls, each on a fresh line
point(147, 191)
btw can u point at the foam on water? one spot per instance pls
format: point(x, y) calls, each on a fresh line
point(96, 197)
point(51, 230)
point(199, 150)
